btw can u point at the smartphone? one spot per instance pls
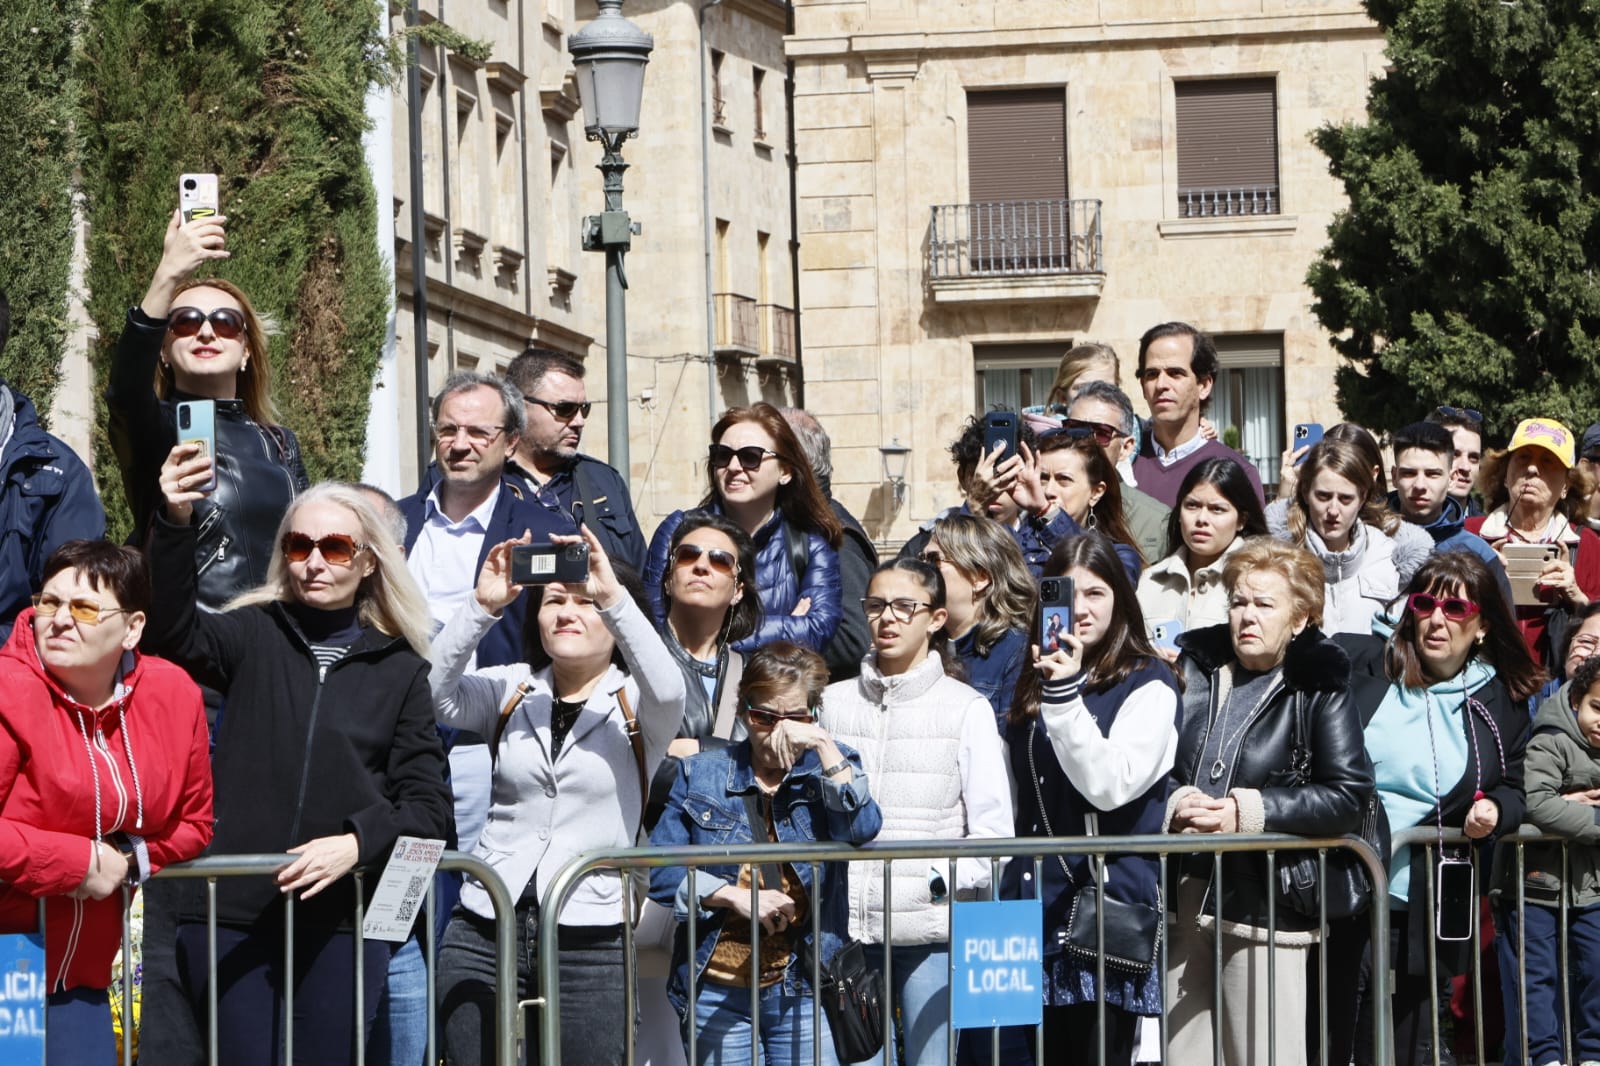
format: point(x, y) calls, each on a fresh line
point(1165, 633)
point(1456, 898)
point(541, 564)
point(197, 196)
point(1000, 427)
point(1055, 612)
point(197, 424)
point(1524, 563)
point(1305, 435)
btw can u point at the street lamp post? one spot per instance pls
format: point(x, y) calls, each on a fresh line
point(609, 56)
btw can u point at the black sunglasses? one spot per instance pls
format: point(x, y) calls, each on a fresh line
point(1460, 414)
point(225, 322)
point(564, 410)
point(750, 457)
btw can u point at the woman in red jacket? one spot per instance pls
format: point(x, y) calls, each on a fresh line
point(104, 778)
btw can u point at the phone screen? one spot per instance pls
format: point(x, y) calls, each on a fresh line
point(1055, 612)
point(1456, 897)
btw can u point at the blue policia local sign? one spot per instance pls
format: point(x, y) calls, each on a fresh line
point(997, 949)
point(22, 990)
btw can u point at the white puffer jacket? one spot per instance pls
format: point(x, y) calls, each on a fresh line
point(938, 770)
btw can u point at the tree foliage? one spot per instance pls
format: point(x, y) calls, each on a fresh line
point(1464, 270)
point(269, 94)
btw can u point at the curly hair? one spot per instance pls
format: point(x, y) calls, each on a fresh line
point(1492, 485)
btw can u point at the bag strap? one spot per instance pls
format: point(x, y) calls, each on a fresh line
point(635, 738)
point(728, 694)
point(767, 874)
point(794, 546)
point(511, 704)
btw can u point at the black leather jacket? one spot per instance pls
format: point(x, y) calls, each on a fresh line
point(259, 470)
point(1323, 798)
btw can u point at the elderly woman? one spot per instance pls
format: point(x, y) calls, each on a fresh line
point(787, 782)
point(76, 827)
point(1442, 702)
point(1257, 692)
point(1536, 495)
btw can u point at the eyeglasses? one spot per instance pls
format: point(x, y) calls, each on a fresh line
point(1102, 433)
point(337, 549)
point(750, 457)
point(225, 322)
point(477, 436)
point(1465, 414)
point(564, 410)
point(902, 610)
point(1455, 608)
point(89, 612)
point(767, 717)
point(721, 560)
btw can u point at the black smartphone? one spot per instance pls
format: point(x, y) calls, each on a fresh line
point(1055, 612)
point(541, 564)
point(1000, 427)
point(1456, 898)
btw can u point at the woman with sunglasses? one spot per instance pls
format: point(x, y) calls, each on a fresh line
point(76, 827)
point(937, 764)
point(1443, 711)
point(192, 339)
point(787, 782)
point(327, 750)
point(989, 596)
point(1217, 509)
point(758, 476)
point(575, 730)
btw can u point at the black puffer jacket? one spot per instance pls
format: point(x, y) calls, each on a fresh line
point(259, 471)
point(1316, 672)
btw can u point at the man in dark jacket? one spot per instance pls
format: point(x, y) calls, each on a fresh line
point(547, 457)
point(1421, 479)
point(48, 496)
point(857, 555)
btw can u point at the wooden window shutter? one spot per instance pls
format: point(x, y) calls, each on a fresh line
point(1227, 141)
point(1017, 145)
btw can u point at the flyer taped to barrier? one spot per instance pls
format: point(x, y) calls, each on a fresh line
point(402, 889)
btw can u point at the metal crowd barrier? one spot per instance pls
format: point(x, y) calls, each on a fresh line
point(212, 868)
point(1428, 838)
point(1037, 849)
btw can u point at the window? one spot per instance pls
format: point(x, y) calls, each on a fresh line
point(717, 109)
point(1248, 398)
point(757, 77)
point(1015, 376)
point(1018, 217)
point(1228, 148)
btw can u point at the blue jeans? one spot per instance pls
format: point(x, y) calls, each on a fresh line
point(722, 1020)
point(78, 1030)
point(1544, 983)
point(400, 1033)
point(920, 987)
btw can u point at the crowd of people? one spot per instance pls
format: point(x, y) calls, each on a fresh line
point(1115, 632)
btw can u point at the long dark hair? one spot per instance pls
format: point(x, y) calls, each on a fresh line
point(1105, 514)
point(1228, 478)
point(1503, 648)
point(933, 583)
point(802, 502)
point(1124, 647)
point(533, 652)
point(742, 617)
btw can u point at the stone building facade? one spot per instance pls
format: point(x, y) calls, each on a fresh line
point(983, 183)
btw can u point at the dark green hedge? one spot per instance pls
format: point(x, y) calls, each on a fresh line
point(269, 94)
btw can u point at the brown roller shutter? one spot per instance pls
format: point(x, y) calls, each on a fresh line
point(1017, 145)
point(1227, 133)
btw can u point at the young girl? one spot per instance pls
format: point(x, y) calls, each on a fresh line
point(1217, 509)
point(937, 766)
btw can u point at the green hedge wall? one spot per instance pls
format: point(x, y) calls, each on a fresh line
point(37, 154)
point(269, 94)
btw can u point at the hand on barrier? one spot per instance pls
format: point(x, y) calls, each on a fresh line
point(1199, 813)
point(1589, 797)
point(776, 908)
point(106, 873)
point(1482, 818)
point(321, 862)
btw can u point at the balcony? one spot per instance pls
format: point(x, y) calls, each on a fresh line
point(1236, 202)
point(777, 333)
point(1015, 251)
point(737, 325)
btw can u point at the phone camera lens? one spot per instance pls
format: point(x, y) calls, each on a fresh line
point(183, 418)
point(1051, 589)
point(190, 184)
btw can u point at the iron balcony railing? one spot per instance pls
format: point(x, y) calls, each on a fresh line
point(737, 322)
point(1231, 202)
point(1015, 238)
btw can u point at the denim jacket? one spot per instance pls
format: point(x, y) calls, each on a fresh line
point(706, 806)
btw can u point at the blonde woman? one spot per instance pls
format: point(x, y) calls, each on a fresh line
point(327, 750)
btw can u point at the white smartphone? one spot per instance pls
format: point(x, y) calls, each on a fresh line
point(197, 196)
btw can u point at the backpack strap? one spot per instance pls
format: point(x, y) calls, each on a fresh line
point(635, 738)
point(511, 704)
point(794, 546)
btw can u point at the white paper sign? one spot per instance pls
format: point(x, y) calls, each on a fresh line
point(402, 889)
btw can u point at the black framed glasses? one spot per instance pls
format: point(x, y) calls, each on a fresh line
point(563, 410)
point(1455, 608)
point(720, 559)
point(750, 457)
point(89, 612)
point(902, 610)
point(338, 549)
point(1459, 414)
point(226, 322)
point(767, 717)
point(477, 436)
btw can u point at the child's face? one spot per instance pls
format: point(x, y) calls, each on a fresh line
point(1589, 715)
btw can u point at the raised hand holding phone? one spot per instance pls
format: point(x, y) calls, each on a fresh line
point(182, 477)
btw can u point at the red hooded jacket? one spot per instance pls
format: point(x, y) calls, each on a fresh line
point(150, 762)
